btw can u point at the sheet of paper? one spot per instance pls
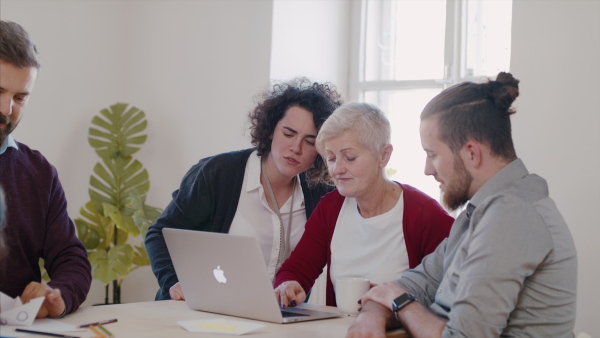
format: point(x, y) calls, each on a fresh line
point(223, 326)
point(14, 312)
point(45, 325)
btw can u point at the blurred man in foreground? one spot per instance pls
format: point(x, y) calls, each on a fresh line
point(36, 223)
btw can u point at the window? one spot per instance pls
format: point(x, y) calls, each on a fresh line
point(410, 50)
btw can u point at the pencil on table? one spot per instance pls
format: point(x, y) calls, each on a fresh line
point(109, 334)
point(93, 328)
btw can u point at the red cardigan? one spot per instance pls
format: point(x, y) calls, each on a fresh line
point(424, 222)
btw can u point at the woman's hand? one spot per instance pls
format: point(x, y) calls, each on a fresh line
point(53, 305)
point(289, 293)
point(176, 292)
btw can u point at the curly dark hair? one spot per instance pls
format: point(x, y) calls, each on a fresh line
point(319, 99)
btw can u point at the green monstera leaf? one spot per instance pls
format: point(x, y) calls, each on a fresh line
point(118, 186)
point(108, 266)
point(140, 256)
point(45, 276)
point(92, 228)
point(117, 132)
point(123, 221)
point(143, 215)
point(114, 179)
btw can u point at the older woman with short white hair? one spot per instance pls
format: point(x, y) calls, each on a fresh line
point(369, 226)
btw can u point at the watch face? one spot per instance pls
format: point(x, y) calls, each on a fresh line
point(402, 301)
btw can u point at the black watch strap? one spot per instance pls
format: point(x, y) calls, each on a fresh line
point(400, 302)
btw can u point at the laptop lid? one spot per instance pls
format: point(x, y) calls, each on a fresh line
point(226, 274)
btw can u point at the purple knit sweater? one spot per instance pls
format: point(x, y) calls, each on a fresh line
point(37, 225)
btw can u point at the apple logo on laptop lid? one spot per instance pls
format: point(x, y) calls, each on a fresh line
point(219, 275)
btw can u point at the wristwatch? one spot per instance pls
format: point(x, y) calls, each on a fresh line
point(400, 302)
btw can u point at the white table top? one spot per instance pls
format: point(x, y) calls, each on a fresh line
point(159, 319)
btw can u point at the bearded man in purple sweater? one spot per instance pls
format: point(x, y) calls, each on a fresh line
point(36, 223)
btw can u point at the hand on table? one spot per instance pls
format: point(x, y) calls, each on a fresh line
point(53, 305)
point(290, 293)
point(370, 322)
point(383, 294)
point(176, 292)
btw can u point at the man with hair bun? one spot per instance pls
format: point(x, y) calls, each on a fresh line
point(509, 265)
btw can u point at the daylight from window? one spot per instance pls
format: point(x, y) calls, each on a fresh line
point(411, 50)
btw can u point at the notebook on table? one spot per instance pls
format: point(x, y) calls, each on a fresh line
point(226, 274)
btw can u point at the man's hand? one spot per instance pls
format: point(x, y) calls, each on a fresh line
point(416, 319)
point(371, 322)
point(53, 306)
point(176, 292)
point(383, 294)
point(290, 293)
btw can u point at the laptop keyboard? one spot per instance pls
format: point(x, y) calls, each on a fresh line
point(287, 314)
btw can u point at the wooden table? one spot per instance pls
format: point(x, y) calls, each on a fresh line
point(159, 319)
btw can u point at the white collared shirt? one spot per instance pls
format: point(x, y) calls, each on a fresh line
point(255, 218)
point(8, 142)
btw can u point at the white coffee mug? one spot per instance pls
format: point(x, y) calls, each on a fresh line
point(348, 290)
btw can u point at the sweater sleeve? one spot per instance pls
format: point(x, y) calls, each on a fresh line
point(189, 209)
point(425, 223)
point(310, 256)
point(37, 225)
point(65, 257)
point(205, 201)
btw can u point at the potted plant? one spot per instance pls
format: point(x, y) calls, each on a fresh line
point(117, 210)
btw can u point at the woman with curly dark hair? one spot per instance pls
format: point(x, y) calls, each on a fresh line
point(267, 192)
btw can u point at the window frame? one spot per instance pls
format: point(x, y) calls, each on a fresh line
point(454, 55)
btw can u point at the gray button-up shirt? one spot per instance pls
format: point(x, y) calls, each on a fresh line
point(509, 268)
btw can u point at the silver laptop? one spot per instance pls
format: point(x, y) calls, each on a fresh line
point(226, 274)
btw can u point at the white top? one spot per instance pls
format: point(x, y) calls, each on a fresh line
point(371, 248)
point(255, 218)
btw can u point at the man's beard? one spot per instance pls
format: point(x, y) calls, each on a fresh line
point(456, 193)
point(7, 129)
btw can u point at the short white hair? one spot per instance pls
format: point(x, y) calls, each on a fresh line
point(369, 122)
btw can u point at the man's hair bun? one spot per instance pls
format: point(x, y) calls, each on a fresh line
point(503, 91)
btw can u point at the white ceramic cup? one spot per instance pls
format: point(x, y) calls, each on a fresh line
point(348, 291)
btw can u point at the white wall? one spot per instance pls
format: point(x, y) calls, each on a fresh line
point(556, 54)
point(192, 66)
point(311, 38)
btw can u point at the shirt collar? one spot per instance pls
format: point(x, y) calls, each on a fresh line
point(511, 172)
point(8, 142)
